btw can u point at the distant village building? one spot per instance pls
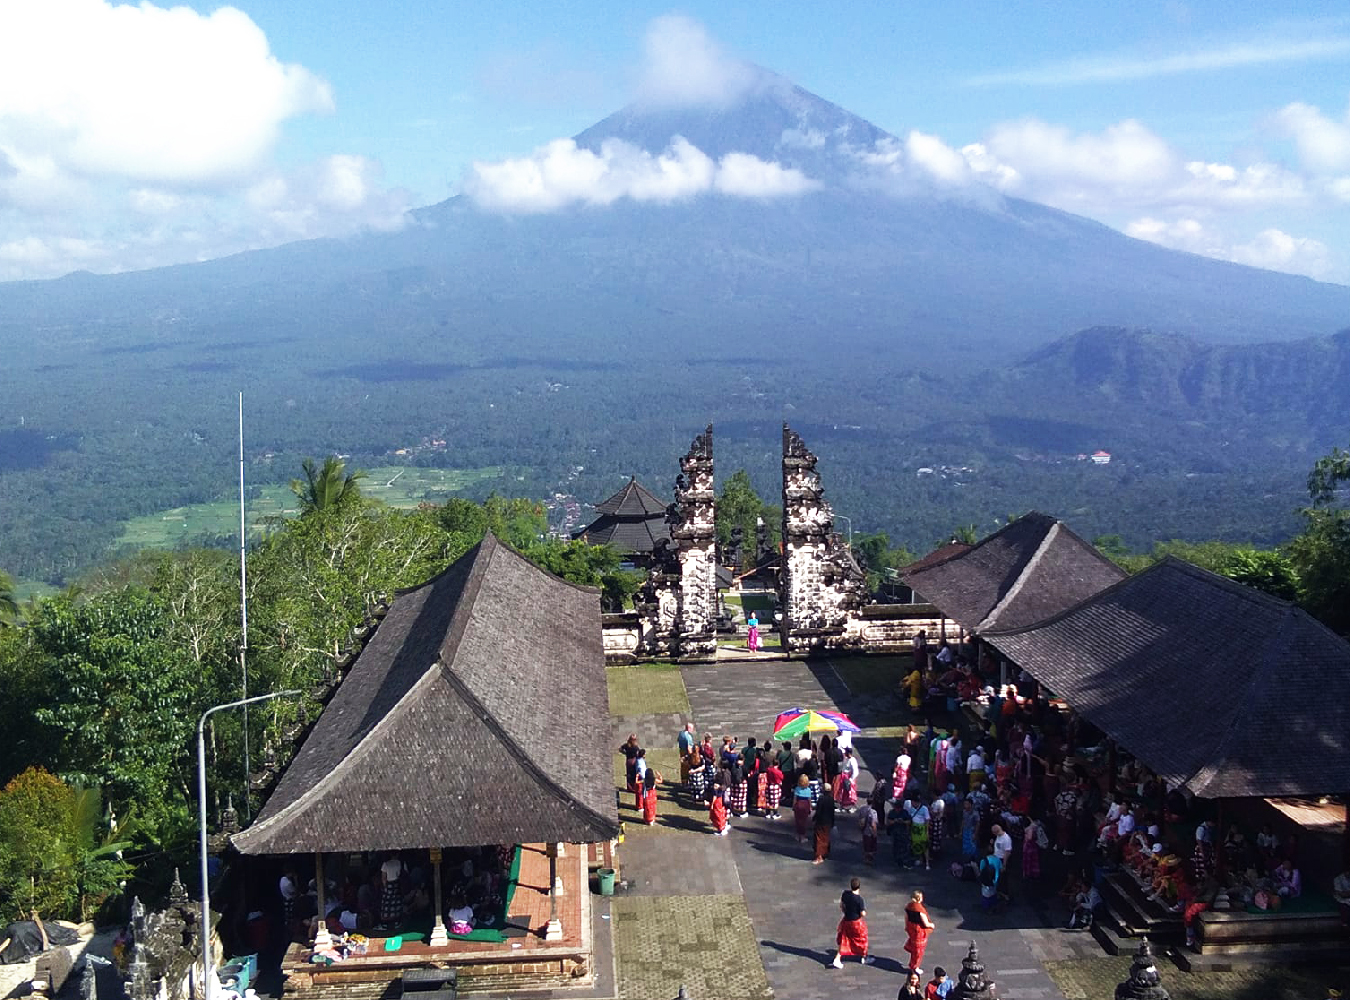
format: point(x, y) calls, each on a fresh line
point(1101, 458)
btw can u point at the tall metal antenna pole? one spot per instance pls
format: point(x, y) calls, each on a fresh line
point(243, 608)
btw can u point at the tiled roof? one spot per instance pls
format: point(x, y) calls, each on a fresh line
point(1026, 571)
point(1212, 685)
point(634, 500)
point(459, 724)
point(939, 555)
point(626, 534)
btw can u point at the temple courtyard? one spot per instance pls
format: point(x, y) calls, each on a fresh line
point(748, 917)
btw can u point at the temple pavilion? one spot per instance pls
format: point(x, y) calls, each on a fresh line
point(460, 734)
point(632, 521)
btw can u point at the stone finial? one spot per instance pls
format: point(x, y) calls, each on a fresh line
point(1145, 983)
point(971, 983)
point(178, 895)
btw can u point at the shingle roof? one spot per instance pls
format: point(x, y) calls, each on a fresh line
point(626, 534)
point(939, 555)
point(634, 500)
point(1213, 685)
point(1026, 571)
point(459, 724)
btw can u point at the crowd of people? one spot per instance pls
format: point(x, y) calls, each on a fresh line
point(1026, 781)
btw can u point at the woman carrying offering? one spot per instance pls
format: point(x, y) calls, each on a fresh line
point(917, 928)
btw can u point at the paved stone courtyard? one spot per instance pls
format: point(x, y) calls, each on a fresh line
point(747, 916)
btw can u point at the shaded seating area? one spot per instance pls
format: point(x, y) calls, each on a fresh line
point(454, 736)
point(1222, 697)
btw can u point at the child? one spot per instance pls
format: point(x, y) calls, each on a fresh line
point(940, 985)
point(773, 790)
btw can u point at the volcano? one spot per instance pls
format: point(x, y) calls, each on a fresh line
point(875, 262)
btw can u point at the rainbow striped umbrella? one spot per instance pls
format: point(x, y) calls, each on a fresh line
point(796, 721)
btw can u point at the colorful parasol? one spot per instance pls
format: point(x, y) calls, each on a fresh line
point(796, 721)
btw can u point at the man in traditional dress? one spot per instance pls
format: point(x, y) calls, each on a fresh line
point(852, 934)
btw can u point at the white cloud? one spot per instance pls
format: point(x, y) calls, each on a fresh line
point(920, 165)
point(1323, 143)
point(1108, 68)
point(747, 176)
point(684, 66)
point(1124, 167)
point(151, 94)
point(561, 173)
point(1272, 249)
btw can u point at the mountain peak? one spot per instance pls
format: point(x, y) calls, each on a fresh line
point(773, 119)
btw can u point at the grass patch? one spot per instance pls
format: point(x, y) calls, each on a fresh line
point(397, 486)
point(871, 676)
point(1091, 978)
point(648, 689)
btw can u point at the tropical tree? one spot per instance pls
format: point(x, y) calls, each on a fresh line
point(328, 487)
point(740, 514)
point(1322, 552)
point(9, 607)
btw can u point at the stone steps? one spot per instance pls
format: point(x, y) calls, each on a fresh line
point(1131, 914)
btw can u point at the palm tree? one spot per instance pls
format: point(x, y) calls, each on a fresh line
point(326, 488)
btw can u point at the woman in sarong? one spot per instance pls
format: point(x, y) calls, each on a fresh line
point(1031, 849)
point(649, 796)
point(824, 825)
point(917, 928)
point(738, 788)
point(900, 777)
point(752, 633)
point(717, 812)
point(801, 806)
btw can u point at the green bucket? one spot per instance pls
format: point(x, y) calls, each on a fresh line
point(606, 881)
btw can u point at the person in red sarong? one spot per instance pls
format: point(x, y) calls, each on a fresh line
point(717, 812)
point(917, 928)
point(851, 937)
point(649, 796)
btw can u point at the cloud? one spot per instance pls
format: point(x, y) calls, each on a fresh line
point(145, 226)
point(561, 174)
point(156, 95)
point(1124, 167)
point(1104, 68)
point(1323, 143)
point(1272, 249)
point(684, 66)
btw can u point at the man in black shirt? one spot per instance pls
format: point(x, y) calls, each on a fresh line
point(852, 934)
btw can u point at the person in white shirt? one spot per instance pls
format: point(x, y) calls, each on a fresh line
point(849, 769)
point(975, 768)
point(954, 758)
point(1003, 846)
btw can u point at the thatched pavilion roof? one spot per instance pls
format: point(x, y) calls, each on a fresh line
point(632, 521)
point(466, 720)
point(1214, 686)
point(1026, 571)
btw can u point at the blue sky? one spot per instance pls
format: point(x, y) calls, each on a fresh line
point(137, 136)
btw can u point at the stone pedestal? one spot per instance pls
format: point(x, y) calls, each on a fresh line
point(554, 931)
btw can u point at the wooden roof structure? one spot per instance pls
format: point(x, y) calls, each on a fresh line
point(1214, 686)
point(633, 521)
point(1028, 570)
point(459, 724)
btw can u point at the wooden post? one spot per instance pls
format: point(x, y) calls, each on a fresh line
point(1110, 765)
point(439, 938)
point(322, 939)
point(553, 932)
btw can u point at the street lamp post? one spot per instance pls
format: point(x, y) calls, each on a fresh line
point(207, 965)
point(845, 517)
